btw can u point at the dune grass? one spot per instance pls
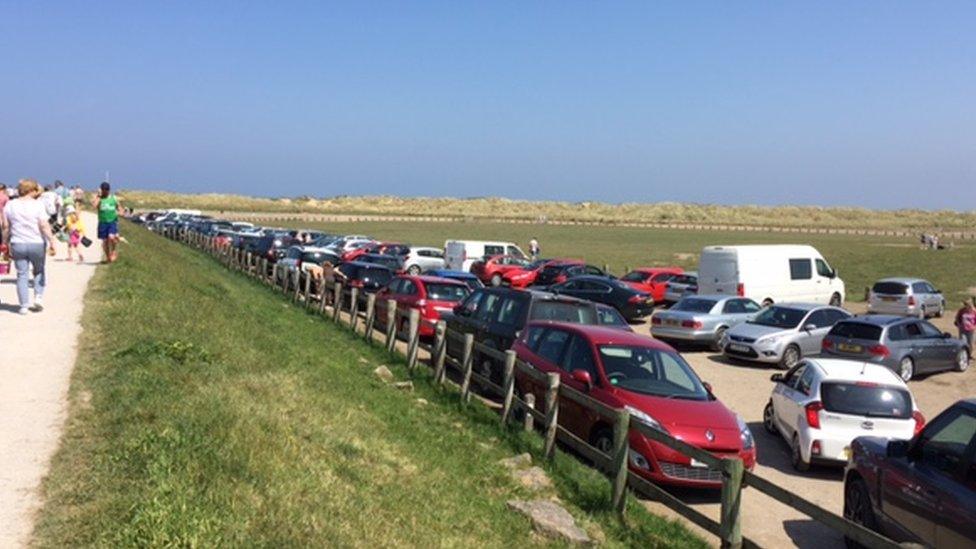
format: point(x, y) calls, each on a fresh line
point(205, 410)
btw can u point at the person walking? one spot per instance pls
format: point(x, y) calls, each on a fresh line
point(52, 204)
point(27, 234)
point(108, 207)
point(966, 323)
point(534, 250)
point(76, 231)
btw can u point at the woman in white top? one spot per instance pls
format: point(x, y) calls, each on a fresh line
point(27, 234)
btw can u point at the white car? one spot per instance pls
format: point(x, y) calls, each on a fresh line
point(422, 259)
point(822, 404)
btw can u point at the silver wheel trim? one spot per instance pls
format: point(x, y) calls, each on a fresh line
point(962, 359)
point(791, 352)
point(905, 367)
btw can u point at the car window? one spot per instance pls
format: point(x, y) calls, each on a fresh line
point(751, 306)
point(919, 288)
point(818, 318)
point(929, 331)
point(294, 253)
point(510, 311)
point(793, 378)
point(913, 330)
point(608, 316)
point(394, 286)
point(800, 269)
point(580, 357)
point(407, 287)
point(591, 270)
point(823, 269)
point(806, 381)
point(470, 305)
point(857, 330)
point(634, 276)
point(866, 399)
point(446, 292)
point(494, 250)
point(533, 337)
point(662, 277)
point(890, 288)
point(570, 285)
point(596, 286)
point(734, 306)
point(944, 447)
point(650, 371)
point(836, 315)
point(489, 307)
point(552, 344)
point(694, 305)
point(561, 311)
point(512, 250)
point(930, 288)
point(896, 333)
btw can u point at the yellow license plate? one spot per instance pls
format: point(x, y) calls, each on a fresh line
point(849, 348)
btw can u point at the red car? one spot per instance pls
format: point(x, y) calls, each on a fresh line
point(525, 276)
point(651, 280)
point(490, 270)
point(387, 248)
point(648, 378)
point(430, 295)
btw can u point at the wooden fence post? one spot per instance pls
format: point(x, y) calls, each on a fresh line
point(730, 526)
point(413, 340)
point(391, 325)
point(308, 289)
point(249, 261)
point(466, 364)
point(529, 419)
point(552, 414)
point(370, 317)
point(621, 430)
point(274, 277)
point(336, 301)
point(508, 385)
point(353, 308)
point(440, 351)
point(264, 270)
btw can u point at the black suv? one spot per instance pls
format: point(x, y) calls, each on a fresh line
point(496, 317)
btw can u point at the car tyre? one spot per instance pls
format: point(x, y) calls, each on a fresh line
point(796, 456)
point(857, 508)
point(906, 369)
point(719, 335)
point(835, 300)
point(768, 418)
point(414, 270)
point(602, 440)
point(496, 280)
point(791, 355)
point(962, 360)
point(941, 312)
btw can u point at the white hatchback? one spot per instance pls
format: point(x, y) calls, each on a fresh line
point(820, 405)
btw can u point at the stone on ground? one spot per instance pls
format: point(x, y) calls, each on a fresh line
point(517, 462)
point(551, 520)
point(533, 478)
point(384, 373)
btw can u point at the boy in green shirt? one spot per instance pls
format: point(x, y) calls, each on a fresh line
point(108, 207)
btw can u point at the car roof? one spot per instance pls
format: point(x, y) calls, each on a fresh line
point(428, 279)
point(902, 279)
point(838, 369)
point(604, 335)
point(366, 265)
point(657, 270)
point(803, 306)
point(450, 273)
point(594, 278)
point(878, 320)
point(714, 297)
point(317, 249)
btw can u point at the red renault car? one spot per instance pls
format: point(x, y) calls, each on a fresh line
point(648, 378)
point(490, 270)
point(430, 295)
point(651, 280)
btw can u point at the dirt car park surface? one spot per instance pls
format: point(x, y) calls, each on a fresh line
point(745, 388)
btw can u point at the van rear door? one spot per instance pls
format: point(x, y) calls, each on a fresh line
point(454, 255)
point(718, 272)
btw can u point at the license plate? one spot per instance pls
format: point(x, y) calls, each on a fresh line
point(849, 348)
point(888, 298)
point(671, 322)
point(696, 463)
point(738, 348)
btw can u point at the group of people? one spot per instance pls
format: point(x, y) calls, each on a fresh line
point(32, 217)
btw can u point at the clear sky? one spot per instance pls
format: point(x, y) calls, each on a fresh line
point(856, 103)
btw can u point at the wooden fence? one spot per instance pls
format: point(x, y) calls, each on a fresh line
point(360, 317)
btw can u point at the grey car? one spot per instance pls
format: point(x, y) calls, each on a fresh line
point(906, 296)
point(782, 334)
point(906, 345)
point(702, 319)
point(680, 285)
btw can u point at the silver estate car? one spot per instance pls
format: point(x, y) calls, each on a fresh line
point(702, 319)
point(907, 297)
point(782, 334)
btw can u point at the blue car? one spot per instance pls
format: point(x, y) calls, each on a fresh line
point(468, 278)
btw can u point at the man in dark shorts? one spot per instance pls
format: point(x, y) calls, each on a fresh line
point(108, 207)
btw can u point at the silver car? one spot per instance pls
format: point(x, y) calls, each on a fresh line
point(422, 259)
point(702, 319)
point(782, 334)
point(906, 297)
point(680, 285)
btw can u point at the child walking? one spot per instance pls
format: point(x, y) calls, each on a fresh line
point(76, 230)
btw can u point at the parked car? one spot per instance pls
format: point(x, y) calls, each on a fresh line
point(524, 277)
point(702, 319)
point(386, 248)
point(556, 272)
point(907, 346)
point(429, 295)
point(468, 278)
point(679, 286)
point(921, 490)
point(652, 280)
point(368, 277)
point(351, 250)
point(632, 304)
point(304, 257)
point(422, 259)
point(822, 404)
point(651, 381)
point(393, 262)
point(497, 316)
point(459, 255)
point(272, 247)
point(490, 269)
point(770, 273)
point(906, 296)
point(782, 334)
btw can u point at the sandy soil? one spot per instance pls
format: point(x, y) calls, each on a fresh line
point(38, 355)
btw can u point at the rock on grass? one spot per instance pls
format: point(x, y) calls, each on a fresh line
point(551, 520)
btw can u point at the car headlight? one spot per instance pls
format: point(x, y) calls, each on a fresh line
point(645, 419)
point(770, 339)
point(745, 435)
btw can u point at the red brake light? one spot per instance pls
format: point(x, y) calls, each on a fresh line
point(919, 421)
point(740, 289)
point(694, 324)
point(356, 283)
point(813, 414)
point(911, 300)
point(879, 350)
point(655, 320)
point(826, 344)
point(636, 298)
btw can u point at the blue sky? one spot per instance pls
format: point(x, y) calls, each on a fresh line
point(855, 103)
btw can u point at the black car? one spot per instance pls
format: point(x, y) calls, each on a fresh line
point(921, 490)
point(368, 277)
point(632, 304)
point(272, 247)
point(392, 262)
point(496, 317)
point(556, 272)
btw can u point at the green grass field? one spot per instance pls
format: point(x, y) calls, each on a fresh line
point(205, 410)
point(860, 260)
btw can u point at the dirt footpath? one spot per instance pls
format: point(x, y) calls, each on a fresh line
point(746, 389)
point(38, 356)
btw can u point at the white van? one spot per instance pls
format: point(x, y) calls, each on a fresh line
point(460, 254)
point(769, 274)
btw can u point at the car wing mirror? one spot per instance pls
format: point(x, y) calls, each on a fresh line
point(898, 448)
point(708, 387)
point(583, 377)
point(946, 335)
point(809, 327)
point(778, 378)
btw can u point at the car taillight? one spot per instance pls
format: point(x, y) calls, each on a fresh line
point(826, 344)
point(813, 414)
point(356, 283)
point(740, 289)
point(911, 300)
point(560, 279)
point(694, 324)
point(636, 298)
point(879, 350)
point(919, 421)
point(655, 320)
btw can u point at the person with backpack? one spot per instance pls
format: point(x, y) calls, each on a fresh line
point(108, 207)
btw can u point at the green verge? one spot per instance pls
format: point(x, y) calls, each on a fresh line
point(205, 410)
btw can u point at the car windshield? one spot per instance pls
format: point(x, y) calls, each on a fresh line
point(447, 292)
point(866, 399)
point(779, 317)
point(890, 288)
point(856, 330)
point(561, 311)
point(651, 372)
point(694, 305)
point(608, 316)
point(379, 277)
point(634, 276)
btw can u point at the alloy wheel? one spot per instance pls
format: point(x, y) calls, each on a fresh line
point(906, 369)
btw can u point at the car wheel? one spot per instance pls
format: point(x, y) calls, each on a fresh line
point(941, 311)
point(496, 280)
point(414, 270)
point(790, 357)
point(768, 418)
point(962, 360)
point(602, 440)
point(835, 300)
point(719, 335)
point(857, 508)
point(796, 456)
point(906, 369)
point(921, 312)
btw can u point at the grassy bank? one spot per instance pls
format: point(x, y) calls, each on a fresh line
point(501, 209)
point(205, 411)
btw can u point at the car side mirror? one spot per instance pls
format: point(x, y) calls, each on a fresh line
point(938, 291)
point(778, 378)
point(809, 327)
point(583, 377)
point(946, 335)
point(898, 448)
point(833, 274)
point(707, 386)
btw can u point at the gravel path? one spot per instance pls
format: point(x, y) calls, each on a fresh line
point(38, 354)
